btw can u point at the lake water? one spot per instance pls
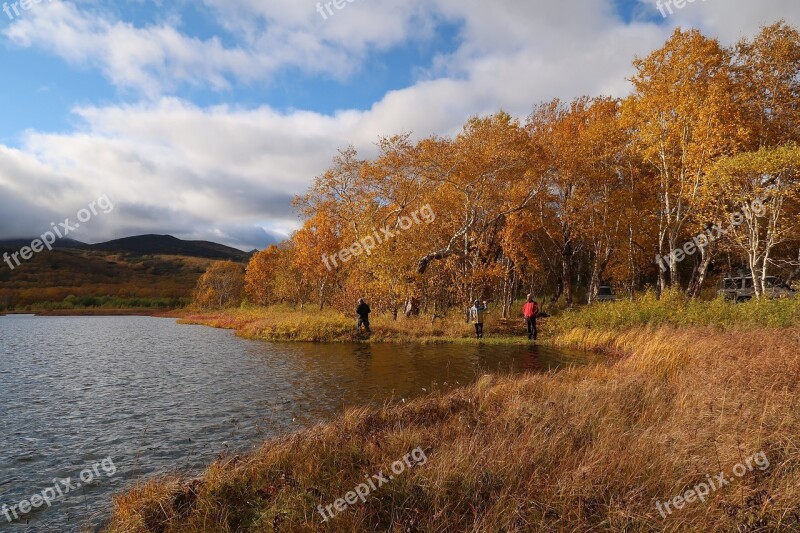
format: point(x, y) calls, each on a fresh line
point(156, 397)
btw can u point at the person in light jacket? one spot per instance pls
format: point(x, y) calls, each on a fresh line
point(476, 315)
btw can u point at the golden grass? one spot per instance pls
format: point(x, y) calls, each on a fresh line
point(673, 308)
point(587, 449)
point(283, 324)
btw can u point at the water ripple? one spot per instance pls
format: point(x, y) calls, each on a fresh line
point(157, 398)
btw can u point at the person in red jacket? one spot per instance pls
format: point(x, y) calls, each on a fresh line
point(530, 311)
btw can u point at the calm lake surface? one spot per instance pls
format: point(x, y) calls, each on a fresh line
point(156, 397)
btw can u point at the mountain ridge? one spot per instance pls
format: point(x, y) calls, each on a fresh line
point(147, 244)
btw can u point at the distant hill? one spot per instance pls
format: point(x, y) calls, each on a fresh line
point(145, 245)
point(169, 245)
point(61, 244)
point(135, 272)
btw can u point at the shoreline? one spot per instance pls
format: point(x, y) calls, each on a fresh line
point(158, 313)
point(267, 325)
point(227, 319)
point(588, 443)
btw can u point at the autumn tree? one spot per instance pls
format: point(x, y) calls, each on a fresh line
point(583, 192)
point(487, 173)
point(397, 192)
point(313, 245)
point(261, 276)
point(220, 286)
point(605, 212)
point(585, 187)
point(767, 75)
point(271, 276)
point(681, 118)
point(765, 188)
point(339, 191)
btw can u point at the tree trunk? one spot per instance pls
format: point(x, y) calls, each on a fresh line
point(674, 273)
point(661, 283)
point(631, 264)
point(559, 290)
point(700, 271)
point(755, 270)
point(566, 272)
point(599, 264)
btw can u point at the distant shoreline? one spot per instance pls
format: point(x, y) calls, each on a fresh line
point(282, 324)
point(94, 312)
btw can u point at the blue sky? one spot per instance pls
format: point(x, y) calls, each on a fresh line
point(48, 88)
point(203, 118)
point(45, 88)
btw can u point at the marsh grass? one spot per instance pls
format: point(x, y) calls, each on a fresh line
point(586, 449)
point(284, 323)
point(674, 309)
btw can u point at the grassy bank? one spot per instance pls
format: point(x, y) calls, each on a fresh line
point(282, 323)
point(673, 309)
point(586, 449)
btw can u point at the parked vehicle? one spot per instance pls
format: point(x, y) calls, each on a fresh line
point(740, 288)
point(605, 294)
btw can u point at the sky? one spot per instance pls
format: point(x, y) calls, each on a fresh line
point(203, 119)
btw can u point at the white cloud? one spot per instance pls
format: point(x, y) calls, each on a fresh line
point(730, 20)
point(271, 35)
point(225, 172)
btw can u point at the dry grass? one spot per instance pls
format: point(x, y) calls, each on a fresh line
point(588, 449)
point(283, 324)
point(674, 309)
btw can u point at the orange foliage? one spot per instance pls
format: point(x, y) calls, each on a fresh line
point(581, 193)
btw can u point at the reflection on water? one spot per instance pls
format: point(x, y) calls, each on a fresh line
point(354, 375)
point(157, 397)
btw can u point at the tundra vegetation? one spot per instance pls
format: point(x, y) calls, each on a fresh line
point(591, 448)
point(66, 280)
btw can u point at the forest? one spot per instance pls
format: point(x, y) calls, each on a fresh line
point(597, 190)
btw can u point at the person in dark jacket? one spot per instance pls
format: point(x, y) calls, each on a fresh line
point(530, 311)
point(363, 312)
